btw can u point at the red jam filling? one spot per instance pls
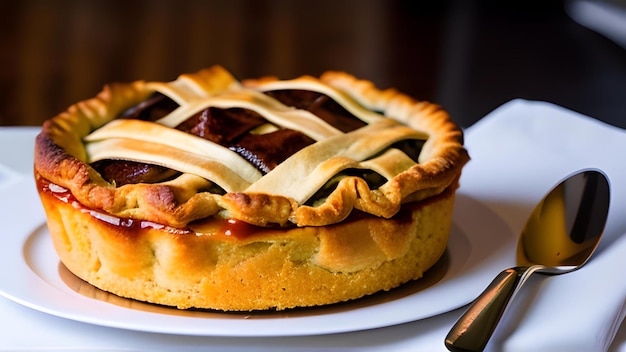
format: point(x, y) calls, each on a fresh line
point(221, 229)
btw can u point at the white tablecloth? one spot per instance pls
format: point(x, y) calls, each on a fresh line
point(518, 152)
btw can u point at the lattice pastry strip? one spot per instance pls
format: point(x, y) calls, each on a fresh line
point(300, 176)
point(312, 84)
point(271, 109)
point(192, 87)
point(161, 145)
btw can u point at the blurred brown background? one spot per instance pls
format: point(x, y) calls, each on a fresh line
point(469, 56)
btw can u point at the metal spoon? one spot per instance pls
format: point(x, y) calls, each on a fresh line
point(559, 237)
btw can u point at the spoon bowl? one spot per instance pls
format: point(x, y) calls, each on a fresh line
point(560, 236)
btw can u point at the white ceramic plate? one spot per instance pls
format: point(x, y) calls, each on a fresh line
point(34, 277)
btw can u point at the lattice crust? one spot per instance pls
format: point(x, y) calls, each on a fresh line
point(89, 132)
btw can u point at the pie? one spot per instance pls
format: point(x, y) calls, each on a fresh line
point(239, 195)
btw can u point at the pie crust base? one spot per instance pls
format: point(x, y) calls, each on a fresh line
point(278, 269)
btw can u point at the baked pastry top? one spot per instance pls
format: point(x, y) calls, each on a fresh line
point(269, 152)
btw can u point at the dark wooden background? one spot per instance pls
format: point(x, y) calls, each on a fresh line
point(469, 56)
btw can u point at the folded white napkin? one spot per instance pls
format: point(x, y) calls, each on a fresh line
point(528, 147)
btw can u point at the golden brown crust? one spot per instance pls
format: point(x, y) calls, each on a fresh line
point(280, 268)
point(61, 157)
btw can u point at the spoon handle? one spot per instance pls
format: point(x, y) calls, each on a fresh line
point(475, 327)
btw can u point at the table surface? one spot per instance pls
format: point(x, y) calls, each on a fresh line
point(469, 57)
